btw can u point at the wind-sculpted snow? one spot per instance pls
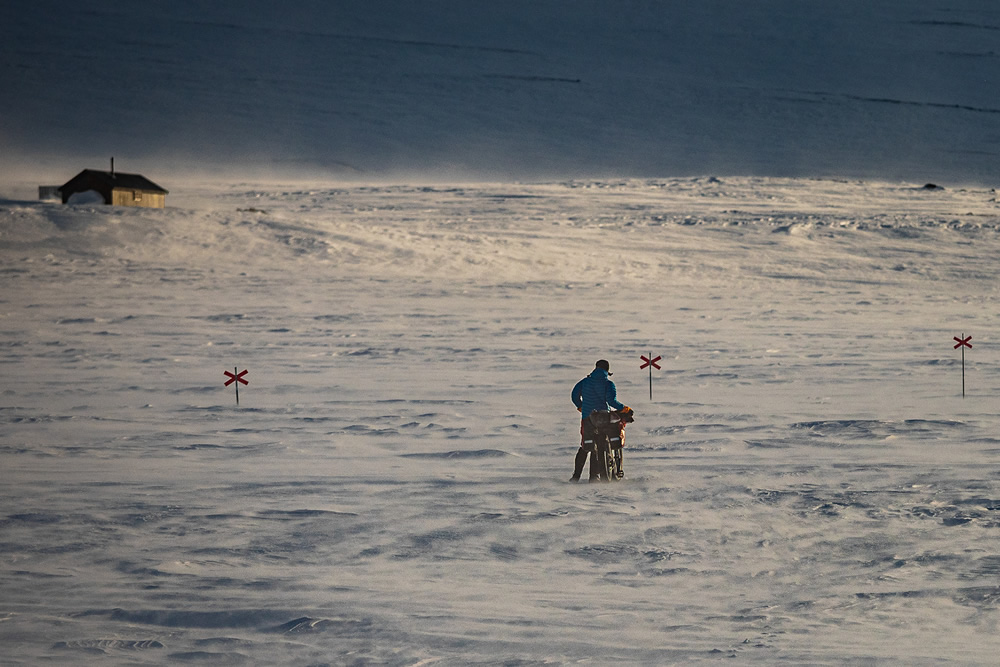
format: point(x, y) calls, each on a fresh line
point(807, 484)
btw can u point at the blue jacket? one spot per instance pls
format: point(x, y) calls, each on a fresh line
point(596, 392)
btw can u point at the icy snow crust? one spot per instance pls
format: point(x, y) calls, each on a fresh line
point(807, 484)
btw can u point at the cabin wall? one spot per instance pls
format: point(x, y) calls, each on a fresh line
point(122, 197)
point(48, 192)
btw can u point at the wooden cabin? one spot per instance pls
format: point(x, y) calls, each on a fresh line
point(117, 189)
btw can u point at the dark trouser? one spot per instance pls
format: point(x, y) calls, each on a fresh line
point(588, 445)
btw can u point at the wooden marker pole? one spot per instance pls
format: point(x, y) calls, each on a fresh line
point(651, 378)
point(236, 377)
point(963, 343)
point(651, 363)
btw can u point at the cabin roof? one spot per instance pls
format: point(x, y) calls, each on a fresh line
point(116, 179)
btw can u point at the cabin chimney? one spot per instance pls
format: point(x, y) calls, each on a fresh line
point(112, 167)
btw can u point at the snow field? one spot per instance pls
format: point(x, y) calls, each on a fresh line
point(806, 486)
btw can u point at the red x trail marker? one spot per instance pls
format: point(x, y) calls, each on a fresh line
point(650, 362)
point(236, 377)
point(963, 343)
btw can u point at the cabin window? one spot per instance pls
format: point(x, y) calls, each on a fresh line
point(136, 195)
